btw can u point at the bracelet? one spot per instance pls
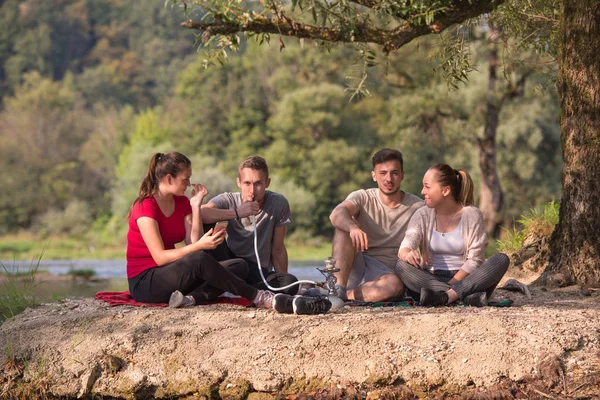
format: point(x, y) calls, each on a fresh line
point(237, 216)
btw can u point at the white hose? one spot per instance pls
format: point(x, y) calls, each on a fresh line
point(276, 289)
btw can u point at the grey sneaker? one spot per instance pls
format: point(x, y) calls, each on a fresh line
point(478, 299)
point(341, 292)
point(264, 299)
point(304, 305)
point(178, 300)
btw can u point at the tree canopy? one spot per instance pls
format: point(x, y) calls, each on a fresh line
point(392, 24)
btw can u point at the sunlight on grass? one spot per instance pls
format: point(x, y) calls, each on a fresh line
point(537, 221)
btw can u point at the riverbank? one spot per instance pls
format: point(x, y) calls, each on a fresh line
point(548, 344)
point(26, 247)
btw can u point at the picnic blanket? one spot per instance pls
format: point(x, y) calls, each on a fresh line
point(124, 298)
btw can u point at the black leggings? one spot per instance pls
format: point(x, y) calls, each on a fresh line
point(197, 274)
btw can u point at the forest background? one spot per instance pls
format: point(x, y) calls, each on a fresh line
point(90, 89)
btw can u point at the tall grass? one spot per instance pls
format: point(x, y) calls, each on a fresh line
point(539, 222)
point(17, 288)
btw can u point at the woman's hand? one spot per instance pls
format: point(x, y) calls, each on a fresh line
point(210, 241)
point(198, 193)
point(411, 256)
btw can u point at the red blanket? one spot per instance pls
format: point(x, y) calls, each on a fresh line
point(124, 298)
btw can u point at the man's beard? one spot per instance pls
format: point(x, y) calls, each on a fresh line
point(394, 191)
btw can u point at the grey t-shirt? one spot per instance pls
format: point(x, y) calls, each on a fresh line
point(240, 234)
point(385, 226)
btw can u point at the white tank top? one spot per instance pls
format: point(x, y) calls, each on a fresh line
point(447, 249)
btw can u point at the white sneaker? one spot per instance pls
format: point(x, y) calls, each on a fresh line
point(178, 300)
point(264, 299)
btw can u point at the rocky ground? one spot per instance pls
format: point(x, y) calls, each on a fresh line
point(544, 347)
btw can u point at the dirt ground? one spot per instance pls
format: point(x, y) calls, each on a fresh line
point(81, 347)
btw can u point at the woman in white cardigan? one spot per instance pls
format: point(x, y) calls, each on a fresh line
point(442, 256)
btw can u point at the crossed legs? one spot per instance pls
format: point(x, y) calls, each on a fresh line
point(365, 278)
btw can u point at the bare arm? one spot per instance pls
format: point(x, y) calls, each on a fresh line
point(193, 222)
point(211, 213)
point(193, 226)
point(459, 276)
point(279, 254)
point(342, 218)
point(152, 239)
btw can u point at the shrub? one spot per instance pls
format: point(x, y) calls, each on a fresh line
point(539, 222)
point(17, 289)
point(75, 220)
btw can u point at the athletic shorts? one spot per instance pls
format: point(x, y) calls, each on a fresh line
point(366, 269)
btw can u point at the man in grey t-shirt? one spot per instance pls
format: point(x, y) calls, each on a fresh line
point(369, 227)
point(272, 213)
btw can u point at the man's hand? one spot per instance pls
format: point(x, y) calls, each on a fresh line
point(248, 208)
point(411, 256)
point(359, 239)
point(210, 240)
point(198, 193)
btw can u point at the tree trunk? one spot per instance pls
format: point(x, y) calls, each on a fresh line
point(491, 197)
point(575, 243)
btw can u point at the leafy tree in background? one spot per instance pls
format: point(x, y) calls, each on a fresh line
point(42, 128)
point(575, 246)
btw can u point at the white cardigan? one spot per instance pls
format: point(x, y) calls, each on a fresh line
point(422, 223)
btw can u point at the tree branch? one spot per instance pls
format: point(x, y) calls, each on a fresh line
point(458, 12)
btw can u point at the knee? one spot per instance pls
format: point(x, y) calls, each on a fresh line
point(238, 266)
point(401, 267)
point(393, 285)
point(196, 258)
point(283, 279)
point(501, 260)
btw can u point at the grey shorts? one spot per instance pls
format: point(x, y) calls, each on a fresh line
point(366, 269)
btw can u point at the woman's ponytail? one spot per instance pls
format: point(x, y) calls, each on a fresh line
point(465, 197)
point(160, 166)
point(459, 181)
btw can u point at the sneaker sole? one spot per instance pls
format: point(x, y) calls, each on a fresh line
point(176, 299)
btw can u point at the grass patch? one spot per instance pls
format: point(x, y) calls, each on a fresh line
point(539, 222)
point(17, 289)
point(81, 273)
point(26, 246)
point(305, 252)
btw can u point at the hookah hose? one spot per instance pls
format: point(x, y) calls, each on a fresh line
point(277, 289)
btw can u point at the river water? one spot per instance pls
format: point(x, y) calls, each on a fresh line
point(114, 274)
point(117, 268)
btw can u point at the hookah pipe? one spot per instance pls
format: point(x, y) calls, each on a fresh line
point(330, 281)
point(328, 271)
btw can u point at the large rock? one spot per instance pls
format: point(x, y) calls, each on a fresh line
point(79, 347)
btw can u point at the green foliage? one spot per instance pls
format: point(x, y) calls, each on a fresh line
point(17, 289)
point(75, 220)
point(79, 125)
point(538, 222)
point(81, 273)
point(302, 202)
point(132, 167)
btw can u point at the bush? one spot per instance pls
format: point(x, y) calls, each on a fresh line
point(17, 289)
point(75, 220)
point(539, 222)
point(82, 273)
